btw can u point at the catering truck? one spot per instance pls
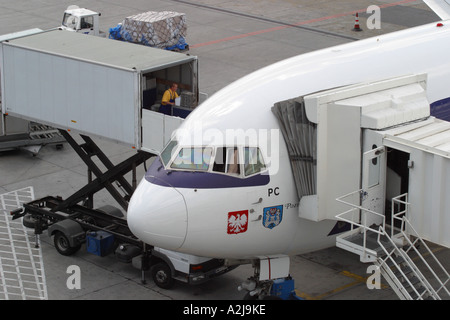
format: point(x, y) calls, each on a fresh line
point(97, 86)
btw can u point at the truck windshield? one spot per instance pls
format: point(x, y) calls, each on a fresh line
point(70, 21)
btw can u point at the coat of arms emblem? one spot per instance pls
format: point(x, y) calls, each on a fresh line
point(272, 216)
point(237, 222)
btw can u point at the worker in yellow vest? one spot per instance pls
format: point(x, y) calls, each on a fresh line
point(168, 99)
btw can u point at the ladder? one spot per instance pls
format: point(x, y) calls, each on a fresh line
point(402, 257)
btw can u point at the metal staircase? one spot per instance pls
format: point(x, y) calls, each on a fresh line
point(402, 257)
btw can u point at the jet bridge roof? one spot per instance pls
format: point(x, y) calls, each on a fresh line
point(432, 135)
point(100, 50)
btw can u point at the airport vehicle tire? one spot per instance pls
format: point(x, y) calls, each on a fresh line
point(62, 244)
point(162, 275)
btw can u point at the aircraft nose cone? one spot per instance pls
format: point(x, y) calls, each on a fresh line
point(157, 215)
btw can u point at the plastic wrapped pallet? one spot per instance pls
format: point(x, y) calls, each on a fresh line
point(155, 29)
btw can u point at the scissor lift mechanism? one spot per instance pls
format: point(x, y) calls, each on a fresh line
point(47, 211)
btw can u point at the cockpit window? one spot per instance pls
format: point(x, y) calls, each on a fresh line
point(227, 161)
point(195, 159)
point(253, 161)
point(166, 155)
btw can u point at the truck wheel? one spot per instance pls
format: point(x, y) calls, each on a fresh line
point(62, 244)
point(162, 275)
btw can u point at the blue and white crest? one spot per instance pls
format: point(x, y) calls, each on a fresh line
point(272, 216)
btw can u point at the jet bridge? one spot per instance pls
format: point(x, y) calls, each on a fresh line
point(375, 149)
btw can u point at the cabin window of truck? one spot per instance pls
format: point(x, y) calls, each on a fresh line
point(87, 22)
point(253, 161)
point(194, 159)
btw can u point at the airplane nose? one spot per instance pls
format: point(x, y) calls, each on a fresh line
point(157, 215)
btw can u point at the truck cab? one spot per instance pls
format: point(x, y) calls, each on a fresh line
point(81, 20)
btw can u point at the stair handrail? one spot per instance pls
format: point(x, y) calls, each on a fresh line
point(365, 212)
point(398, 216)
point(400, 252)
point(358, 207)
point(412, 245)
point(399, 288)
point(402, 216)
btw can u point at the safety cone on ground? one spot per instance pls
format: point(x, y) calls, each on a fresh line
point(357, 27)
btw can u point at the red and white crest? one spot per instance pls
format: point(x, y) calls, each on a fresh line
point(237, 222)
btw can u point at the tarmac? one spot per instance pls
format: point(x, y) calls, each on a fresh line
point(231, 39)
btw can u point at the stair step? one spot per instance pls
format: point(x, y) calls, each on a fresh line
point(393, 256)
point(406, 271)
point(413, 280)
point(421, 293)
point(384, 246)
point(399, 260)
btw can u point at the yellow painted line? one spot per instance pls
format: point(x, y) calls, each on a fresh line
point(358, 280)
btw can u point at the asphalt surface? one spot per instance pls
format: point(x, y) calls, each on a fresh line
point(231, 38)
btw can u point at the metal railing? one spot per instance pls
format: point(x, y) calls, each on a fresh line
point(363, 216)
point(397, 246)
point(399, 280)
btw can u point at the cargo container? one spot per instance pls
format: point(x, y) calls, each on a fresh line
point(96, 86)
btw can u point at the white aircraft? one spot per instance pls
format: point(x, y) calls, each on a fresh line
point(223, 186)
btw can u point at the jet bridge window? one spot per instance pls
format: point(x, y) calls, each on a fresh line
point(253, 161)
point(227, 161)
point(195, 159)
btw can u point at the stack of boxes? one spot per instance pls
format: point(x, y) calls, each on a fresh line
point(155, 29)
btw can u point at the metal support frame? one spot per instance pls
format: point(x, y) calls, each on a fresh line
point(50, 210)
point(45, 215)
point(89, 219)
point(104, 179)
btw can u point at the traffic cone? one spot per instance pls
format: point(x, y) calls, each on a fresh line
point(357, 27)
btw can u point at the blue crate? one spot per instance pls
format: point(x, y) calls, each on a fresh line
point(99, 243)
point(284, 289)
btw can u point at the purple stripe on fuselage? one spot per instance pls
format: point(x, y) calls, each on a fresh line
point(441, 109)
point(157, 174)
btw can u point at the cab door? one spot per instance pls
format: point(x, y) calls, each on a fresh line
point(87, 25)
